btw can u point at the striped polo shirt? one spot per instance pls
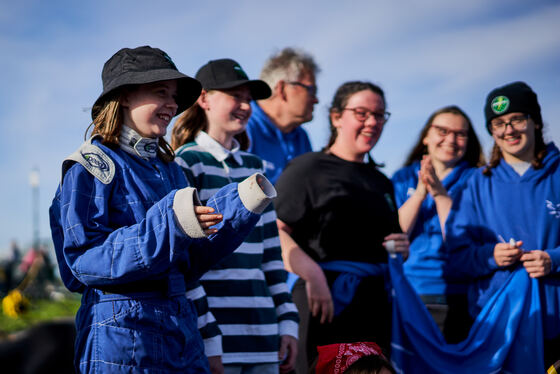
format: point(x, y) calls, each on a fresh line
point(247, 291)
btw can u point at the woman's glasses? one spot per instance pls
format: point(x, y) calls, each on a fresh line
point(518, 123)
point(362, 114)
point(443, 132)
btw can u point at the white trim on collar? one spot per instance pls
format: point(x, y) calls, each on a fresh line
point(218, 151)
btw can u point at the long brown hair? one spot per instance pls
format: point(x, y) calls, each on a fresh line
point(473, 154)
point(191, 122)
point(109, 119)
point(540, 152)
point(188, 125)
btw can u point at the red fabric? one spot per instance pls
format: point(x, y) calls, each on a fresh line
point(336, 358)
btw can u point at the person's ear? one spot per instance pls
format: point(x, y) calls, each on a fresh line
point(280, 89)
point(538, 126)
point(123, 98)
point(425, 138)
point(203, 100)
point(335, 118)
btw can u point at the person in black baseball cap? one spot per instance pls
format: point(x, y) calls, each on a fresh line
point(223, 106)
point(225, 73)
point(210, 142)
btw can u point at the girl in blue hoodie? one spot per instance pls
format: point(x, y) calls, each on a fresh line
point(438, 167)
point(508, 216)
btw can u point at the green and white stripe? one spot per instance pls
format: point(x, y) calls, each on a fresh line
point(247, 291)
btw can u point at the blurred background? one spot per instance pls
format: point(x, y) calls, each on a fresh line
point(425, 55)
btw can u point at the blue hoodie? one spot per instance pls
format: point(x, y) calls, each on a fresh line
point(272, 145)
point(425, 265)
point(508, 205)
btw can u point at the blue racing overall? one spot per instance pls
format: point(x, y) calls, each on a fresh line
point(127, 238)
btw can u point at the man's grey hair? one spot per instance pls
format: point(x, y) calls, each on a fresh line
point(289, 65)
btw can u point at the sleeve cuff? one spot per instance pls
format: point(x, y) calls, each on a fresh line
point(555, 259)
point(491, 261)
point(183, 206)
point(254, 197)
point(213, 346)
point(288, 328)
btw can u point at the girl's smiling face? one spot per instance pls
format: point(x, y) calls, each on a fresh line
point(447, 138)
point(354, 137)
point(149, 108)
point(516, 144)
point(227, 112)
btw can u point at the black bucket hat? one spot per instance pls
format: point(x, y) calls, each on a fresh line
point(143, 65)
point(225, 73)
point(513, 97)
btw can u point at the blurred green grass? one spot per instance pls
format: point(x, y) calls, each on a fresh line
point(40, 310)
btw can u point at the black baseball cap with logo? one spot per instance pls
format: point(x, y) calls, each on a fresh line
point(226, 73)
point(143, 65)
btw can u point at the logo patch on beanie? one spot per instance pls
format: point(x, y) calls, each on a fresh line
point(500, 104)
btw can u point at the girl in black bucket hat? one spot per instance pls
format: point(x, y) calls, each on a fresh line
point(128, 232)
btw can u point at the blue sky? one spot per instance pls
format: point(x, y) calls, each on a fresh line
point(425, 54)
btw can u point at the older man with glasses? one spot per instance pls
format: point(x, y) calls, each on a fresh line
point(276, 136)
point(274, 127)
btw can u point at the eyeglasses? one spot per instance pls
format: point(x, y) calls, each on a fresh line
point(311, 88)
point(362, 114)
point(443, 132)
point(518, 123)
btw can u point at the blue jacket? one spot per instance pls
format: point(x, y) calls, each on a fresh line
point(507, 205)
point(274, 147)
point(425, 265)
point(121, 225)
